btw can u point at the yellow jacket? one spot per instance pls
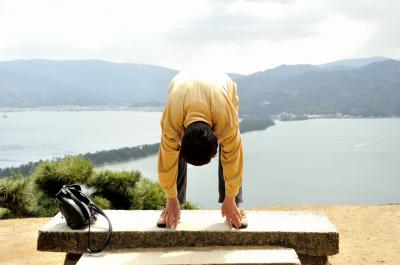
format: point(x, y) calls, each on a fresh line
point(201, 97)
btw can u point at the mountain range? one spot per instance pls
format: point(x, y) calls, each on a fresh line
point(30, 83)
point(366, 87)
point(370, 89)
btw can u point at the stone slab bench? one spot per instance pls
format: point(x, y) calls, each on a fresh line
point(191, 256)
point(310, 234)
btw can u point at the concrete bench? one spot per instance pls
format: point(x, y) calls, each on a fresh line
point(311, 235)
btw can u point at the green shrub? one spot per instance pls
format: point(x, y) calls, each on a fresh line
point(35, 196)
point(150, 195)
point(189, 206)
point(117, 187)
point(5, 213)
point(103, 203)
point(46, 206)
point(50, 176)
point(16, 195)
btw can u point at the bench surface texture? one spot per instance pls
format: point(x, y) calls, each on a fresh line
point(308, 233)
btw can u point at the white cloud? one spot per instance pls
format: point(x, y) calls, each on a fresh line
point(228, 35)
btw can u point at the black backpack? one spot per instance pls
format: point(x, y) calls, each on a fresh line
point(79, 211)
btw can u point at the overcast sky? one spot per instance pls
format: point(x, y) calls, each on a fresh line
point(240, 36)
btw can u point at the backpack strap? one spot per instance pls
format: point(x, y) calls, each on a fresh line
point(107, 240)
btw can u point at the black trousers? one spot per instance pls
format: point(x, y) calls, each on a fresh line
point(181, 182)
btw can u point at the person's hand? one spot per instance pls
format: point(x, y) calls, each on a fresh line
point(172, 213)
point(231, 212)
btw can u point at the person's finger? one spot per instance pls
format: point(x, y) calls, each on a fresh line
point(239, 216)
point(173, 221)
point(165, 217)
point(237, 221)
point(169, 220)
point(229, 222)
point(238, 211)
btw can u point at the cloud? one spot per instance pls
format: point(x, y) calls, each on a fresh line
point(238, 29)
point(383, 16)
point(245, 21)
point(232, 35)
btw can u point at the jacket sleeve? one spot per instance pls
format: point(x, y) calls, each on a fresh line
point(168, 156)
point(168, 164)
point(232, 163)
point(231, 149)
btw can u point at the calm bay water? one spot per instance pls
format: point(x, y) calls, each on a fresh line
point(324, 161)
point(30, 136)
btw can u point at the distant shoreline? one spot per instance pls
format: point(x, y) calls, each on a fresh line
point(103, 157)
point(247, 125)
point(280, 117)
point(82, 108)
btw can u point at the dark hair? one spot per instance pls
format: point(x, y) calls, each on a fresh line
point(199, 144)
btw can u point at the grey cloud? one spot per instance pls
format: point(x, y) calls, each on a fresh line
point(383, 15)
point(222, 25)
point(227, 27)
point(367, 10)
point(243, 33)
point(385, 41)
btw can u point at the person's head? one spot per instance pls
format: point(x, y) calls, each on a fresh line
point(199, 144)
